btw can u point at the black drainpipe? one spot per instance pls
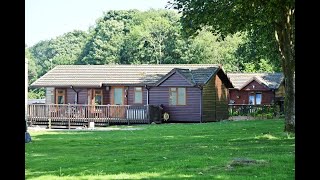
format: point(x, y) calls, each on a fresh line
point(77, 94)
point(147, 87)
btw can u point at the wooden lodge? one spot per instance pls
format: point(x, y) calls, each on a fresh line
point(109, 94)
point(253, 91)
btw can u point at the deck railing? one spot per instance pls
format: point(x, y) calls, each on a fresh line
point(263, 111)
point(78, 114)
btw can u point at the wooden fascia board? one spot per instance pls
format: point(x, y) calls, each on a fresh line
point(68, 86)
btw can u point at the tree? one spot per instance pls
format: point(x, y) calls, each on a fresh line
point(42, 53)
point(207, 48)
point(107, 38)
point(64, 49)
point(152, 38)
point(229, 17)
point(260, 47)
point(68, 47)
point(32, 70)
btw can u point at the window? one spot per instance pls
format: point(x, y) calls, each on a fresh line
point(255, 98)
point(118, 96)
point(60, 96)
point(95, 96)
point(138, 95)
point(177, 96)
point(258, 98)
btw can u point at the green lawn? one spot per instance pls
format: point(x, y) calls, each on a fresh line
point(171, 151)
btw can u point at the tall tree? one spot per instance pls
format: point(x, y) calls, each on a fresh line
point(260, 47)
point(33, 93)
point(32, 70)
point(227, 17)
point(64, 49)
point(207, 48)
point(68, 47)
point(153, 34)
point(107, 38)
point(43, 53)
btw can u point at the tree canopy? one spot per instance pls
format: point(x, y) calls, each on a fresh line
point(260, 19)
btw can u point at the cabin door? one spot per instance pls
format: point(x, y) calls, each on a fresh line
point(117, 110)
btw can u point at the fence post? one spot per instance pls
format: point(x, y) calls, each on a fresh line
point(108, 114)
point(68, 115)
point(49, 123)
point(148, 113)
point(128, 117)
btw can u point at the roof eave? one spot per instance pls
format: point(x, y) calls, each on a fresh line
point(67, 86)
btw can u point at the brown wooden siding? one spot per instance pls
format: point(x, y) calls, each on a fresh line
point(255, 86)
point(106, 96)
point(187, 113)
point(214, 101)
point(175, 80)
point(242, 97)
point(83, 95)
point(208, 102)
point(222, 112)
point(280, 92)
point(70, 96)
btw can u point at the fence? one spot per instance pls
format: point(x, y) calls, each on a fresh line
point(260, 111)
point(80, 115)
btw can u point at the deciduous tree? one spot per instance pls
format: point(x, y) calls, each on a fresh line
point(230, 17)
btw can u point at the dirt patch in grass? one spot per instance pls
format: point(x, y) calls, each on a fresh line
point(245, 162)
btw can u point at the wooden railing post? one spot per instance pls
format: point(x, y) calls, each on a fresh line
point(49, 123)
point(148, 113)
point(108, 114)
point(126, 111)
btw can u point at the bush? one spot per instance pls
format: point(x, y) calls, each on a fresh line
point(267, 112)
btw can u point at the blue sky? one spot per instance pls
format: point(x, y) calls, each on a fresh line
point(46, 19)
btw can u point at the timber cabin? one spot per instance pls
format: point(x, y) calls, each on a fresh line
point(256, 88)
point(121, 93)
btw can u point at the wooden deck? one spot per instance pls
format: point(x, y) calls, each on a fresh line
point(69, 115)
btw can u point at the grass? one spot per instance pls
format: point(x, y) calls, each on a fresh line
point(257, 149)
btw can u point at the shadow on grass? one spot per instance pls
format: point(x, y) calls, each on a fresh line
point(158, 152)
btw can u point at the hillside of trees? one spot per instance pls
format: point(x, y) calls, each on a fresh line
point(151, 37)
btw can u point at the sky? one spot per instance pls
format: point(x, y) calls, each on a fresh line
point(46, 19)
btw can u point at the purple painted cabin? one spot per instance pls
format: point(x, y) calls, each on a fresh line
point(188, 92)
